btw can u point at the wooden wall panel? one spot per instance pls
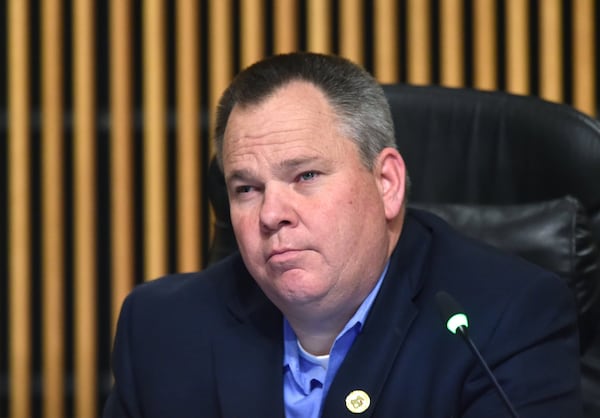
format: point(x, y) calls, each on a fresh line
point(189, 180)
point(318, 26)
point(517, 46)
point(53, 225)
point(452, 50)
point(155, 141)
point(584, 77)
point(220, 65)
point(352, 30)
point(386, 48)
point(122, 205)
point(551, 50)
point(419, 48)
point(285, 26)
point(85, 209)
point(252, 31)
point(485, 45)
point(19, 210)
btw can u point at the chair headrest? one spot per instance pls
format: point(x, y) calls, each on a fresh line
point(469, 146)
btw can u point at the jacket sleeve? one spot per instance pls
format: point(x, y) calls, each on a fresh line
point(534, 353)
point(122, 401)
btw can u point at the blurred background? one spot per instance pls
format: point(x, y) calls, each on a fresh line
point(106, 110)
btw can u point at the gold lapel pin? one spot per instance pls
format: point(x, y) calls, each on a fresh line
point(358, 401)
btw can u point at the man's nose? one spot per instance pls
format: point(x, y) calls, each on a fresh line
point(277, 208)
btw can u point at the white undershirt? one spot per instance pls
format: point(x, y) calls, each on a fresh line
point(322, 361)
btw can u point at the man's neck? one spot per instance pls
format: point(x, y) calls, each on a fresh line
point(318, 335)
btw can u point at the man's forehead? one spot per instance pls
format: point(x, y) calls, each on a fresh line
point(292, 114)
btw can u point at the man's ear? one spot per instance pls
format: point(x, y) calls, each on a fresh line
point(391, 180)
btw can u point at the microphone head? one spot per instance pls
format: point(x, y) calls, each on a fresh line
point(452, 313)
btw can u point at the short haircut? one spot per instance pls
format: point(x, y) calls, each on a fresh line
point(355, 96)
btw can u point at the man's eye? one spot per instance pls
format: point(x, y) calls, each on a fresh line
point(243, 189)
point(309, 175)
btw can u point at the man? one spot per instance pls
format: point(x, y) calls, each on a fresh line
point(329, 308)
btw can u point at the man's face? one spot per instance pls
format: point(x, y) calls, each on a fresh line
point(308, 216)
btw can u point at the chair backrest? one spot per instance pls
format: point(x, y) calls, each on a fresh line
point(470, 146)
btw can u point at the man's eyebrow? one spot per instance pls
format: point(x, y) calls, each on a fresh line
point(240, 174)
point(299, 161)
point(244, 174)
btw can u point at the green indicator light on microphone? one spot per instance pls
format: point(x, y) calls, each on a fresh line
point(456, 321)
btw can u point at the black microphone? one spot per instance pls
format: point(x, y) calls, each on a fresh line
point(457, 323)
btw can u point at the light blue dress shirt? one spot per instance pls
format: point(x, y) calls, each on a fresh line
point(306, 381)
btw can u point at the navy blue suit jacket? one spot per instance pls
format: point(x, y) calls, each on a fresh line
point(209, 344)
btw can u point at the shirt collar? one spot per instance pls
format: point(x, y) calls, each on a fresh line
point(291, 351)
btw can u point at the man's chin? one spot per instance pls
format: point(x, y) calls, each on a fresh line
point(295, 286)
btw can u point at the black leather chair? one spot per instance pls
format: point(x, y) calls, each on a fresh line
point(515, 171)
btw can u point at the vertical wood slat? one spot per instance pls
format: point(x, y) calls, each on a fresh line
point(419, 42)
point(53, 269)
point(155, 130)
point(285, 26)
point(220, 52)
point(188, 136)
point(121, 158)
point(484, 45)
point(84, 189)
point(551, 50)
point(319, 24)
point(584, 65)
point(517, 46)
point(386, 49)
point(352, 30)
point(452, 43)
point(252, 31)
point(220, 66)
point(19, 272)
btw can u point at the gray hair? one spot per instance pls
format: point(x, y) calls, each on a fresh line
point(356, 97)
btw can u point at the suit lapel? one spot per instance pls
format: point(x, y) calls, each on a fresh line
point(248, 358)
point(372, 355)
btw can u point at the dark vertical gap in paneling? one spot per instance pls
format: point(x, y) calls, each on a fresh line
point(367, 12)
point(402, 41)
point(334, 27)
point(236, 19)
point(67, 214)
point(103, 185)
point(467, 51)
point(203, 120)
point(35, 75)
point(302, 25)
point(170, 58)
point(205, 135)
point(269, 27)
point(501, 44)
point(567, 42)
point(534, 68)
point(468, 16)
point(138, 135)
point(69, 273)
point(36, 260)
point(434, 24)
point(68, 205)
